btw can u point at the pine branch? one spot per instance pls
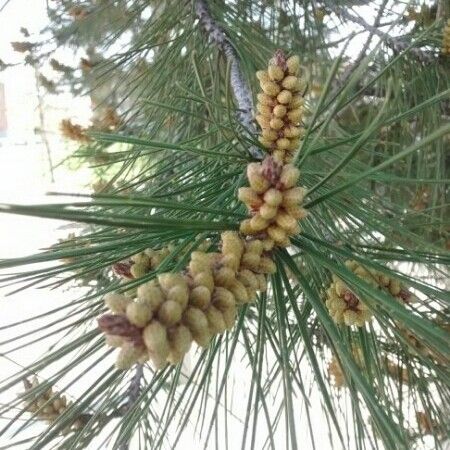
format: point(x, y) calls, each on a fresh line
point(133, 392)
point(43, 132)
point(349, 70)
point(134, 388)
point(241, 90)
point(397, 44)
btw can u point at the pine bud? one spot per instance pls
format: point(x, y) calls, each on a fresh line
point(232, 243)
point(254, 246)
point(141, 258)
point(113, 340)
point(169, 280)
point(251, 260)
point(47, 410)
point(117, 303)
point(266, 265)
point(276, 233)
point(284, 97)
point(270, 88)
point(139, 313)
point(351, 318)
point(292, 131)
point(119, 325)
point(231, 261)
point(223, 298)
point(351, 265)
point(264, 110)
point(169, 313)
point(265, 99)
point(246, 228)
point(229, 317)
point(297, 101)
point(288, 157)
point(263, 121)
point(257, 182)
point(203, 338)
point(276, 123)
point(180, 339)
point(286, 222)
point(363, 273)
point(344, 306)
point(262, 282)
point(128, 355)
point(150, 294)
point(293, 65)
point(157, 259)
point(283, 143)
point(239, 292)
point(204, 279)
point(216, 321)
point(268, 212)
point(258, 223)
point(269, 135)
point(290, 83)
point(224, 277)
point(201, 256)
point(295, 115)
point(138, 270)
point(248, 279)
point(289, 176)
point(293, 145)
point(394, 287)
point(268, 244)
point(276, 73)
point(293, 197)
point(155, 339)
point(57, 404)
point(265, 142)
point(195, 320)
point(279, 156)
point(198, 266)
point(340, 288)
point(200, 297)
point(179, 294)
point(279, 111)
point(262, 75)
point(273, 197)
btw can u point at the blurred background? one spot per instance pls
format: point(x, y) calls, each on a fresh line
point(33, 161)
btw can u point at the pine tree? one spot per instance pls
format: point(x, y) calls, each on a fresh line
point(273, 209)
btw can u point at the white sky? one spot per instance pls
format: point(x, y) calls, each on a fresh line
point(24, 178)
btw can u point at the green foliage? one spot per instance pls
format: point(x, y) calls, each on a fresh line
point(374, 162)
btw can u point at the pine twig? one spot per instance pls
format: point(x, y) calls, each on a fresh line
point(133, 392)
point(134, 388)
point(397, 44)
point(43, 132)
point(348, 72)
point(241, 90)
